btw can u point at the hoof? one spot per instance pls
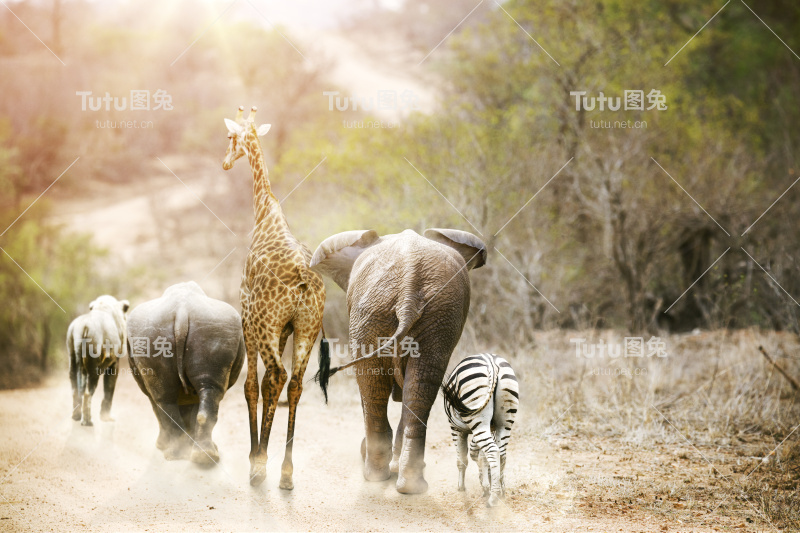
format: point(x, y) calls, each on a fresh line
point(162, 443)
point(106, 417)
point(394, 465)
point(493, 501)
point(257, 475)
point(286, 483)
point(416, 485)
point(76, 416)
point(462, 488)
point(205, 456)
point(86, 423)
point(172, 454)
point(176, 450)
point(377, 474)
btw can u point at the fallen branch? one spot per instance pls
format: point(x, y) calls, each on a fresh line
point(789, 378)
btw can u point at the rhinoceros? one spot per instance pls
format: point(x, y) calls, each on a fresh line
point(95, 342)
point(186, 351)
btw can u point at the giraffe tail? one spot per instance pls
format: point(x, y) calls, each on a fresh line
point(402, 330)
point(324, 373)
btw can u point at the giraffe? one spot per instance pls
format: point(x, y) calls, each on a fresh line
point(279, 296)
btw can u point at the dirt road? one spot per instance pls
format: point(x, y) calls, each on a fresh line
point(59, 476)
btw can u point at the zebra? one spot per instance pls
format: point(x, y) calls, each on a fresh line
point(481, 396)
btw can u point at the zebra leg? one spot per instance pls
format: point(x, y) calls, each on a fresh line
point(506, 401)
point(460, 439)
point(501, 436)
point(483, 471)
point(490, 458)
point(491, 455)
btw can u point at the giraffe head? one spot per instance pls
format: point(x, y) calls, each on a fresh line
point(243, 136)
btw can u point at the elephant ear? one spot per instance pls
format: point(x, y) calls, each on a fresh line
point(471, 248)
point(335, 256)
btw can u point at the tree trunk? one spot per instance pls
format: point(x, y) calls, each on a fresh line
point(45, 352)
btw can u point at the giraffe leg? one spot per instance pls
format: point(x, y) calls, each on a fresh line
point(271, 386)
point(251, 395)
point(303, 344)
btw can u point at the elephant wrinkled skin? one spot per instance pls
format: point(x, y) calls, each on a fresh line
point(203, 358)
point(414, 290)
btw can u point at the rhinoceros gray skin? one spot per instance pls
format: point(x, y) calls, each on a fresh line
point(95, 342)
point(202, 352)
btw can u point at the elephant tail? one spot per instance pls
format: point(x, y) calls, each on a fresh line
point(181, 330)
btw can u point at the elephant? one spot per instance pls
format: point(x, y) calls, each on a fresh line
point(409, 289)
point(95, 342)
point(205, 337)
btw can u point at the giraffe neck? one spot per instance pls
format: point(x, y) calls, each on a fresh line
point(265, 204)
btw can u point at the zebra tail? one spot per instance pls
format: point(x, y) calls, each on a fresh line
point(452, 398)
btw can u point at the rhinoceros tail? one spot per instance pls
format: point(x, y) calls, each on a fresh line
point(181, 333)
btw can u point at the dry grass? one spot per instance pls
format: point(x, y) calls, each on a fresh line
point(681, 438)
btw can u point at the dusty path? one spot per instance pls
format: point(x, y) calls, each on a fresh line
point(59, 476)
point(111, 477)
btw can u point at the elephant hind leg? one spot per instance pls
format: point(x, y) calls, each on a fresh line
point(420, 388)
point(394, 466)
point(375, 384)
